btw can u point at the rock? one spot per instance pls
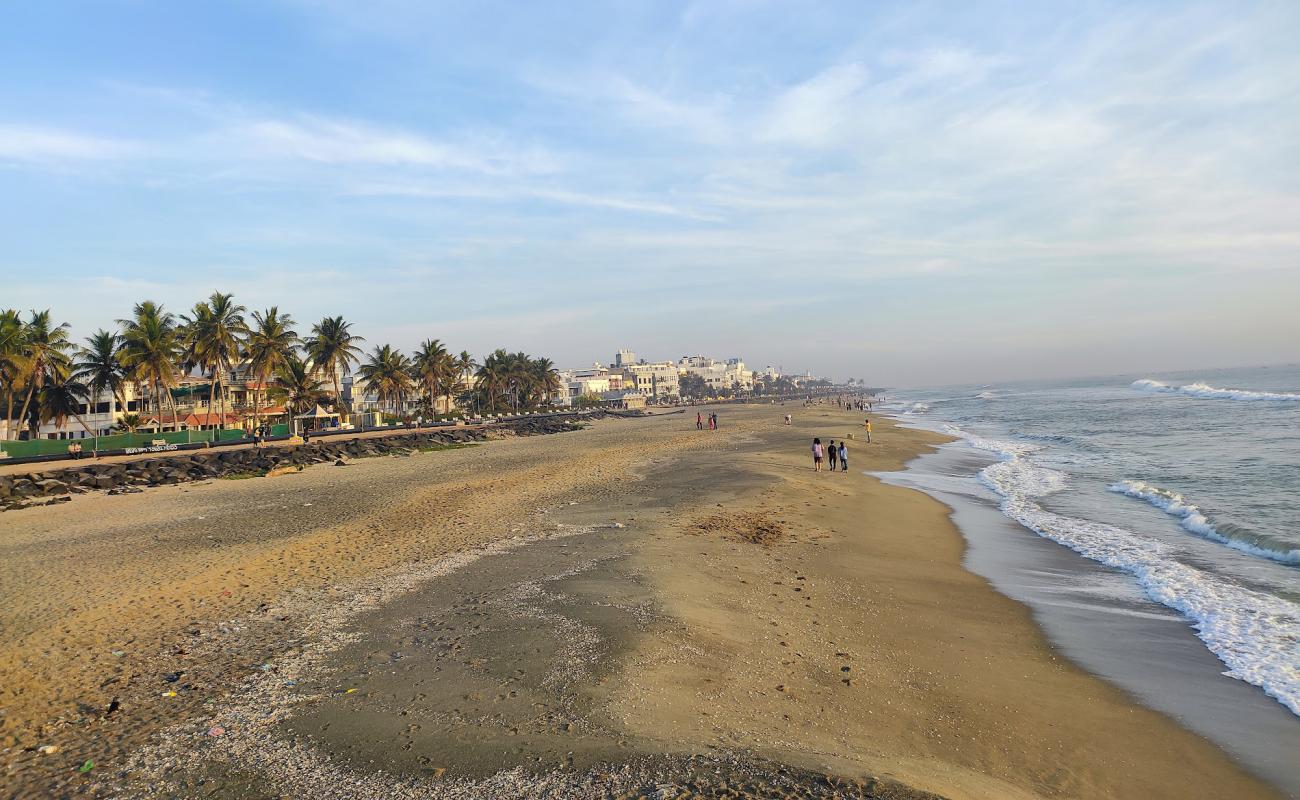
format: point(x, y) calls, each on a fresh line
point(49, 486)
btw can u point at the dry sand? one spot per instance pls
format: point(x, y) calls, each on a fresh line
point(630, 609)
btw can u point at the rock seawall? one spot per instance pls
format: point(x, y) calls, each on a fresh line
point(58, 485)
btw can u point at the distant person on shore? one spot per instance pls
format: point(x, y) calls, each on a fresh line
point(713, 421)
point(867, 425)
point(699, 421)
point(817, 455)
point(787, 419)
point(832, 454)
point(844, 457)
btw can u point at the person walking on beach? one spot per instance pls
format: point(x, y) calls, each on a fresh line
point(713, 420)
point(817, 455)
point(867, 424)
point(787, 420)
point(844, 457)
point(699, 421)
point(832, 454)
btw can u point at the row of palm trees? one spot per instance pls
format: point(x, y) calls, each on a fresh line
point(45, 377)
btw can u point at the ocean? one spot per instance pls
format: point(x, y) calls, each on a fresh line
point(1152, 524)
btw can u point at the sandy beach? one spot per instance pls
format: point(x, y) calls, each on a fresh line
point(632, 608)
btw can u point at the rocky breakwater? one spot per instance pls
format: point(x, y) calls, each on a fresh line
point(58, 485)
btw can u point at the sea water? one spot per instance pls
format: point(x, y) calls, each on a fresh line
point(1182, 493)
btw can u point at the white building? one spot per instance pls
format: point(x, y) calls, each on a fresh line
point(721, 376)
point(594, 380)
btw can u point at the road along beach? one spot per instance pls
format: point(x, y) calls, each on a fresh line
point(633, 607)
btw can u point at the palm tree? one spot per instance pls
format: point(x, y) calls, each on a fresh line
point(61, 397)
point(431, 368)
point(13, 361)
point(295, 385)
point(546, 378)
point(270, 344)
point(215, 341)
point(128, 423)
point(387, 374)
point(100, 367)
point(333, 347)
point(45, 348)
point(464, 366)
point(151, 347)
point(492, 378)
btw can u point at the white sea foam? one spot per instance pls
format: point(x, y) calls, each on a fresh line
point(1204, 390)
point(989, 395)
point(917, 408)
point(1193, 520)
point(1256, 635)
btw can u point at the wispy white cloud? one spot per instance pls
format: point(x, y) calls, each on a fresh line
point(332, 141)
point(41, 144)
point(507, 193)
point(809, 113)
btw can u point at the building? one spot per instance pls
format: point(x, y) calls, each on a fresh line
point(658, 381)
point(723, 377)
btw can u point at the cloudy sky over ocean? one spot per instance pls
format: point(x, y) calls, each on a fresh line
point(910, 193)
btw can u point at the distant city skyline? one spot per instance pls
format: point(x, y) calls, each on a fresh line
point(911, 193)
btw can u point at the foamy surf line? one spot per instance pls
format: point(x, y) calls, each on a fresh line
point(1193, 520)
point(1254, 634)
point(1206, 391)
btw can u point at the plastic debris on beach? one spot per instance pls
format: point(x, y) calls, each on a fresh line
point(48, 749)
point(86, 767)
point(216, 730)
point(168, 694)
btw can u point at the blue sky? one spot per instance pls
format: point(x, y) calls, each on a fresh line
point(911, 193)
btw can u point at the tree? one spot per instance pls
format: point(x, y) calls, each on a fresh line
point(13, 358)
point(491, 379)
point(45, 350)
point(463, 379)
point(128, 423)
point(215, 340)
point(151, 348)
point(694, 386)
point(546, 379)
point(432, 368)
point(296, 386)
point(333, 348)
point(387, 373)
point(61, 397)
point(100, 367)
point(270, 343)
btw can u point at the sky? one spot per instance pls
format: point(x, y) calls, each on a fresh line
point(910, 193)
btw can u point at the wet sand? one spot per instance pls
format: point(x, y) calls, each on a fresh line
point(603, 613)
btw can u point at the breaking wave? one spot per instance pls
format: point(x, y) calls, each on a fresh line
point(1193, 520)
point(1206, 391)
point(1251, 632)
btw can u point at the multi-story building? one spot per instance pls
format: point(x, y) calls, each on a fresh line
point(721, 376)
point(658, 381)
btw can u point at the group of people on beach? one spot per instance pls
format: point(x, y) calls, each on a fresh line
point(700, 421)
point(837, 454)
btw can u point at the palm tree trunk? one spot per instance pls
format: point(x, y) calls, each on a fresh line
point(158, 405)
point(338, 396)
point(22, 415)
point(172, 402)
point(212, 394)
point(257, 411)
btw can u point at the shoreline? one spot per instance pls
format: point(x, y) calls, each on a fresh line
point(1101, 619)
point(832, 646)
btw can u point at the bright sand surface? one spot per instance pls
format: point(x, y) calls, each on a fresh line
point(711, 594)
